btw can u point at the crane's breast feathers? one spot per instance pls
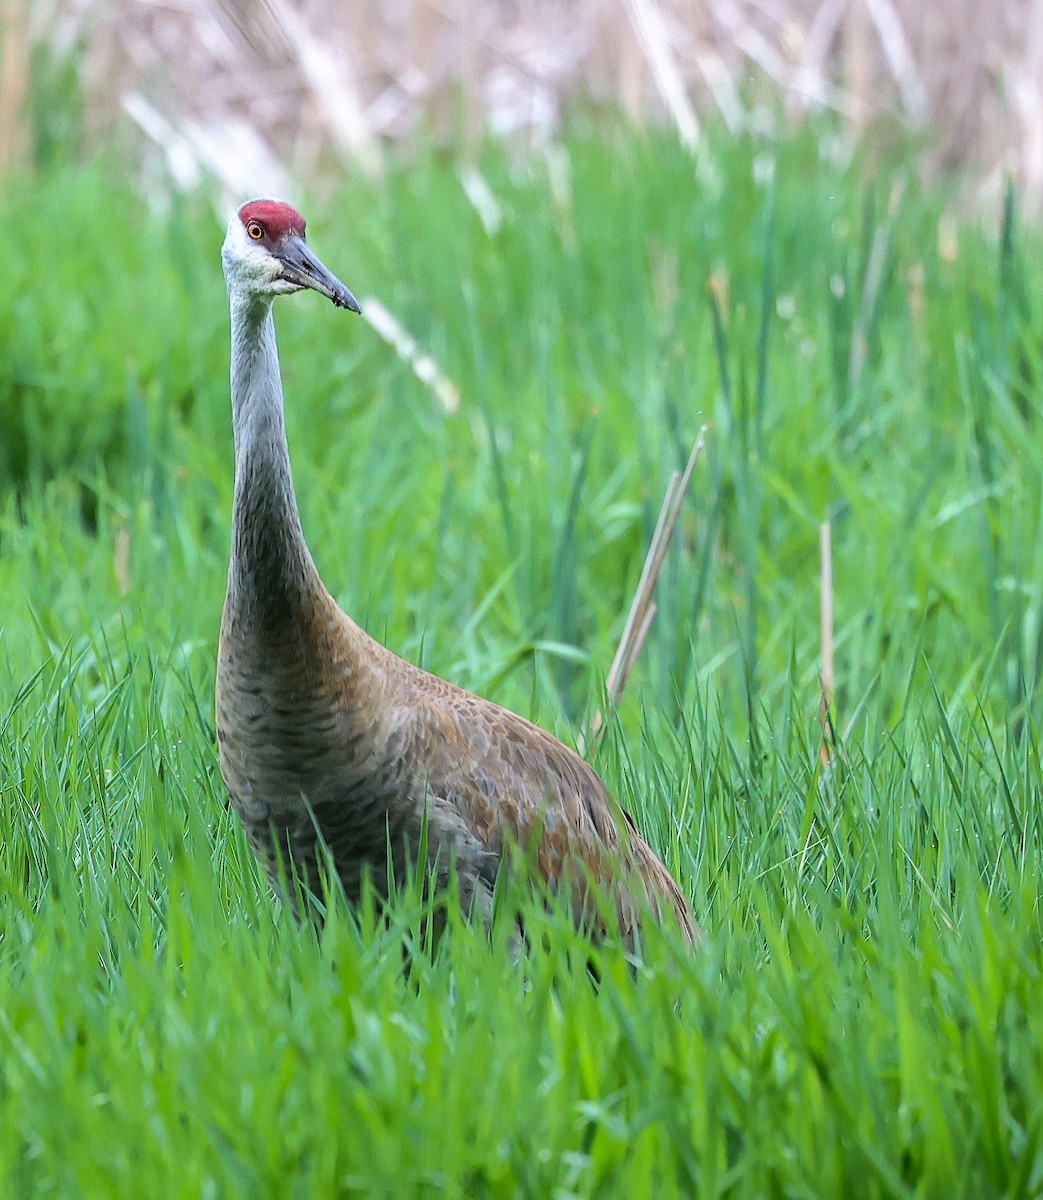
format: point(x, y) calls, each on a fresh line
point(427, 765)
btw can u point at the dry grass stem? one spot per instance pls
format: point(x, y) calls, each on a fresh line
point(14, 79)
point(655, 42)
point(405, 346)
point(899, 57)
point(333, 93)
point(642, 609)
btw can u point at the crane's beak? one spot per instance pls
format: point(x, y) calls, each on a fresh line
point(301, 267)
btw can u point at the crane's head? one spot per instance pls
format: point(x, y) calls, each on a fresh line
point(264, 254)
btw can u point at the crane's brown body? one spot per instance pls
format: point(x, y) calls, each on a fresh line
point(326, 738)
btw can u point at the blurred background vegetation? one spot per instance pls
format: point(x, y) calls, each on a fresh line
point(253, 92)
point(802, 221)
point(579, 231)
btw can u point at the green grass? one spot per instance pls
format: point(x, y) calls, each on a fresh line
point(864, 1019)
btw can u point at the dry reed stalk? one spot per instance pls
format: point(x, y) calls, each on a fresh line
point(858, 61)
point(723, 85)
point(899, 57)
point(14, 80)
point(230, 152)
point(642, 608)
point(405, 346)
point(333, 92)
point(652, 33)
point(121, 560)
point(1026, 94)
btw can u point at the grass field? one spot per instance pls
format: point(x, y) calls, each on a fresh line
point(864, 1018)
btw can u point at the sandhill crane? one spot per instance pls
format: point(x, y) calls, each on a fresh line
point(326, 738)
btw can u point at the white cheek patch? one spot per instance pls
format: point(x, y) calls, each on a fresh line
point(261, 264)
point(246, 258)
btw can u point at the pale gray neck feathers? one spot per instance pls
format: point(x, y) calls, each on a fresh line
point(271, 572)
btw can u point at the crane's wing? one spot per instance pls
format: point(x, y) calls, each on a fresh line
point(515, 786)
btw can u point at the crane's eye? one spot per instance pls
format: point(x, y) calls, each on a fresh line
point(255, 231)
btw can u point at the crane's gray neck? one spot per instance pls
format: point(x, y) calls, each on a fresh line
point(271, 572)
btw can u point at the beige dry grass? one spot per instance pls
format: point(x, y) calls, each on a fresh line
point(237, 87)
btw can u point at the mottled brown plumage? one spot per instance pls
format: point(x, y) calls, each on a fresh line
point(327, 737)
